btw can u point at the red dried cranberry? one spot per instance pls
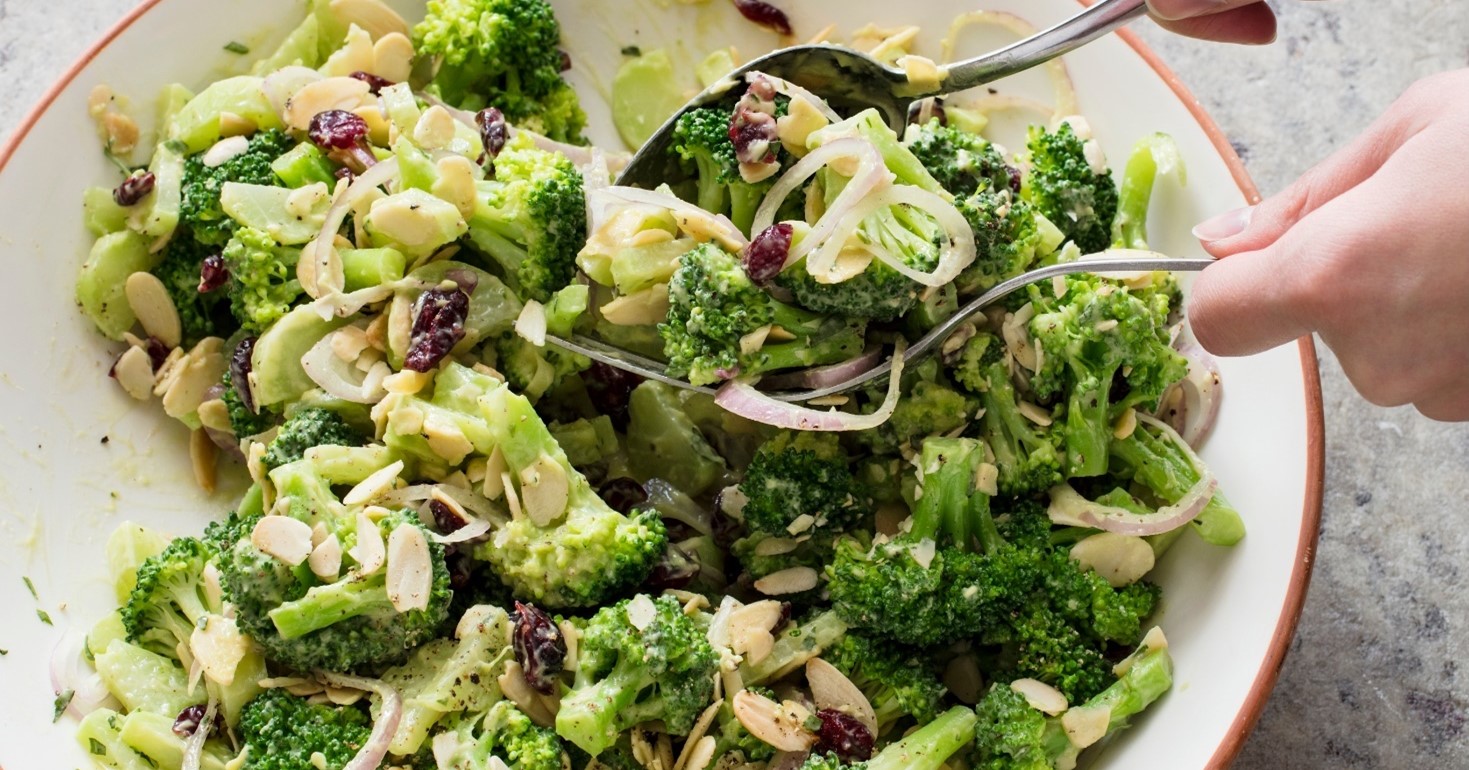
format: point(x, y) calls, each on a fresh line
point(764, 14)
point(766, 254)
point(844, 736)
point(675, 570)
point(445, 518)
point(565, 60)
point(240, 366)
point(493, 132)
point(787, 612)
point(157, 352)
point(925, 110)
point(213, 273)
point(753, 134)
point(134, 189)
point(539, 647)
point(461, 569)
point(374, 83)
point(438, 325)
point(1014, 174)
point(623, 494)
point(188, 721)
point(610, 389)
point(343, 137)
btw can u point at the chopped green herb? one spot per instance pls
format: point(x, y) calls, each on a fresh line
point(63, 699)
point(31, 587)
point(44, 616)
point(235, 46)
point(632, 50)
point(3, 653)
point(96, 747)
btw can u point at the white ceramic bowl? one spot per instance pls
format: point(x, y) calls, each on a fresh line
point(82, 457)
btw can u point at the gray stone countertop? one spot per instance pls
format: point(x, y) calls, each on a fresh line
point(1373, 677)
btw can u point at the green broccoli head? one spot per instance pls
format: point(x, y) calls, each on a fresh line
point(200, 314)
point(714, 306)
point(638, 660)
point(307, 428)
point(702, 141)
point(504, 54)
point(243, 422)
point(1008, 236)
point(894, 682)
point(200, 210)
point(1027, 454)
point(582, 551)
point(928, 408)
point(170, 597)
point(263, 283)
point(279, 731)
point(1067, 190)
point(531, 218)
point(907, 591)
point(962, 162)
point(802, 474)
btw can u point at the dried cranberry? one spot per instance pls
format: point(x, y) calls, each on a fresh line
point(134, 189)
point(764, 14)
point(445, 518)
point(374, 83)
point(844, 736)
point(213, 273)
point(565, 60)
point(438, 325)
point(1014, 174)
point(157, 352)
point(343, 137)
point(753, 133)
point(345, 173)
point(925, 110)
point(787, 612)
point(493, 131)
point(623, 494)
point(675, 570)
point(188, 721)
point(766, 254)
point(539, 647)
point(610, 389)
point(240, 366)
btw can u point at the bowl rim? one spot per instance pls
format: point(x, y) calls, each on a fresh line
point(1305, 559)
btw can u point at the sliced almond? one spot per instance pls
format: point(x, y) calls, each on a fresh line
point(571, 635)
point(283, 537)
point(800, 524)
point(1085, 725)
point(336, 93)
point(1041, 696)
point(793, 128)
point(120, 132)
point(1154, 639)
point(650, 237)
point(772, 722)
point(544, 490)
point(154, 308)
point(218, 646)
point(326, 558)
point(531, 325)
point(379, 483)
point(369, 552)
point(752, 342)
point(456, 183)
point(354, 55)
point(1126, 423)
point(203, 455)
point(215, 415)
point(962, 677)
point(924, 552)
point(850, 263)
point(495, 474)
point(1121, 559)
point(372, 15)
point(696, 755)
point(641, 612)
point(1035, 414)
point(647, 306)
point(343, 696)
point(407, 382)
point(831, 689)
point(792, 580)
point(224, 150)
point(1106, 326)
point(775, 546)
point(410, 569)
point(519, 691)
point(512, 500)
point(134, 372)
point(987, 479)
point(751, 630)
point(435, 128)
point(348, 343)
point(231, 124)
point(202, 370)
point(778, 334)
point(392, 57)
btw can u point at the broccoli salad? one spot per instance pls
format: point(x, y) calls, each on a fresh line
point(463, 547)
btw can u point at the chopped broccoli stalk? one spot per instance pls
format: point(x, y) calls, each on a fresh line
point(1025, 453)
point(796, 645)
point(714, 306)
point(633, 670)
point(280, 731)
point(152, 736)
point(586, 441)
point(201, 210)
point(1130, 229)
point(364, 268)
point(1157, 463)
point(1066, 189)
point(263, 282)
point(927, 748)
point(664, 442)
point(143, 680)
point(800, 483)
point(302, 165)
point(307, 428)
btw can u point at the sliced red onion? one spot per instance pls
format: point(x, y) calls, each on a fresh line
point(282, 84)
point(329, 278)
point(1191, 406)
point(824, 376)
point(740, 398)
point(871, 175)
point(787, 88)
point(445, 746)
point(474, 529)
point(69, 671)
point(342, 378)
point(371, 755)
point(194, 746)
point(958, 254)
point(691, 219)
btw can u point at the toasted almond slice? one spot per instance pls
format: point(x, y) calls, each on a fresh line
point(410, 569)
point(379, 483)
point(154, 308)
point(792, 580)
point(446, 440)
point(435, 128)
point(779, 334)
point(283, 537)
point(531, 325)
point(392, 57)
point(354, 55)
point(369, 553)
point(697, 755)
point(987, 479)
point(511, 498)
point(751, 629)
point(134, 372)
point(203, 455)
point(924, 552)
point(544, 490)
point(231, 124)
point(407, 382)
point(372, 15)
point(1035, 414)
point(1041, 696)
point(800, 524)
point(963, 679)
point(831, 689)
point(203, 370)
point(343, 696)
point(326, 559)
point(1085, 725)
point(772, 722)
point(519, 691)
point(337, 93)
point(644, 751)
point(1121, 559)
point(377, 333)
point(224, 150)
point(752, 342)
point(641, 612)
point(456, 183)
point(218, 646)
point(348, 343)
point(215, 415)
point(688, 756)
point(1154, 639)
point(1126, 424)
point(495, 474)
point(121, 133)
point(645, 306)
point(571, 635)
point(775, 546)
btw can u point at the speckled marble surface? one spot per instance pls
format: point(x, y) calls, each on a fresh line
point(1373, 678)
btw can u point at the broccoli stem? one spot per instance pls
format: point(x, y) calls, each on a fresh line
point(1161, 466)
point(326, 605)
point(1149, 675)
point(930, 746)
point(950, 505)
point(795, 647)
point(1130, 228)
point(592, 713)
point(1088, 431)
point(1009, 434)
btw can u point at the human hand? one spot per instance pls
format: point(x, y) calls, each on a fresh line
point(1370, 249)
point(1226, 21)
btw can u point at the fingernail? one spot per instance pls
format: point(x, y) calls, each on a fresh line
point(1225, 225)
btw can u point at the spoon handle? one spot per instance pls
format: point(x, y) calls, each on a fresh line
point(1083, 28)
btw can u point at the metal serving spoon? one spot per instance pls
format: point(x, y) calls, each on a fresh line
point(654, 370)
point(848, 78)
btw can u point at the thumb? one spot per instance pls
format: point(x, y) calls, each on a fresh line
point(1240, 306)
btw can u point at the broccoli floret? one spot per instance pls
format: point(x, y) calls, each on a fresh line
point(929, 407)
point(1013, 735)
point(504, 54)
point(656, 666)
point(243, 422)
point(200, 315)
point(701, 137)
point(961, 162)
point(714, 306)
point(169, 597)
point(309, 428)
point(280, 731)
point(927, 748)
point(815, 552)
point(1009, 237)
point(802, 474)
point(1067, 190)
point(578, 556)
point(1157, 462)
point(1025, 453)
point(263, 282)
point(507, 733)
point(200, 209)
point(895, 683)
point(1089, 335)
point(531, 218)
